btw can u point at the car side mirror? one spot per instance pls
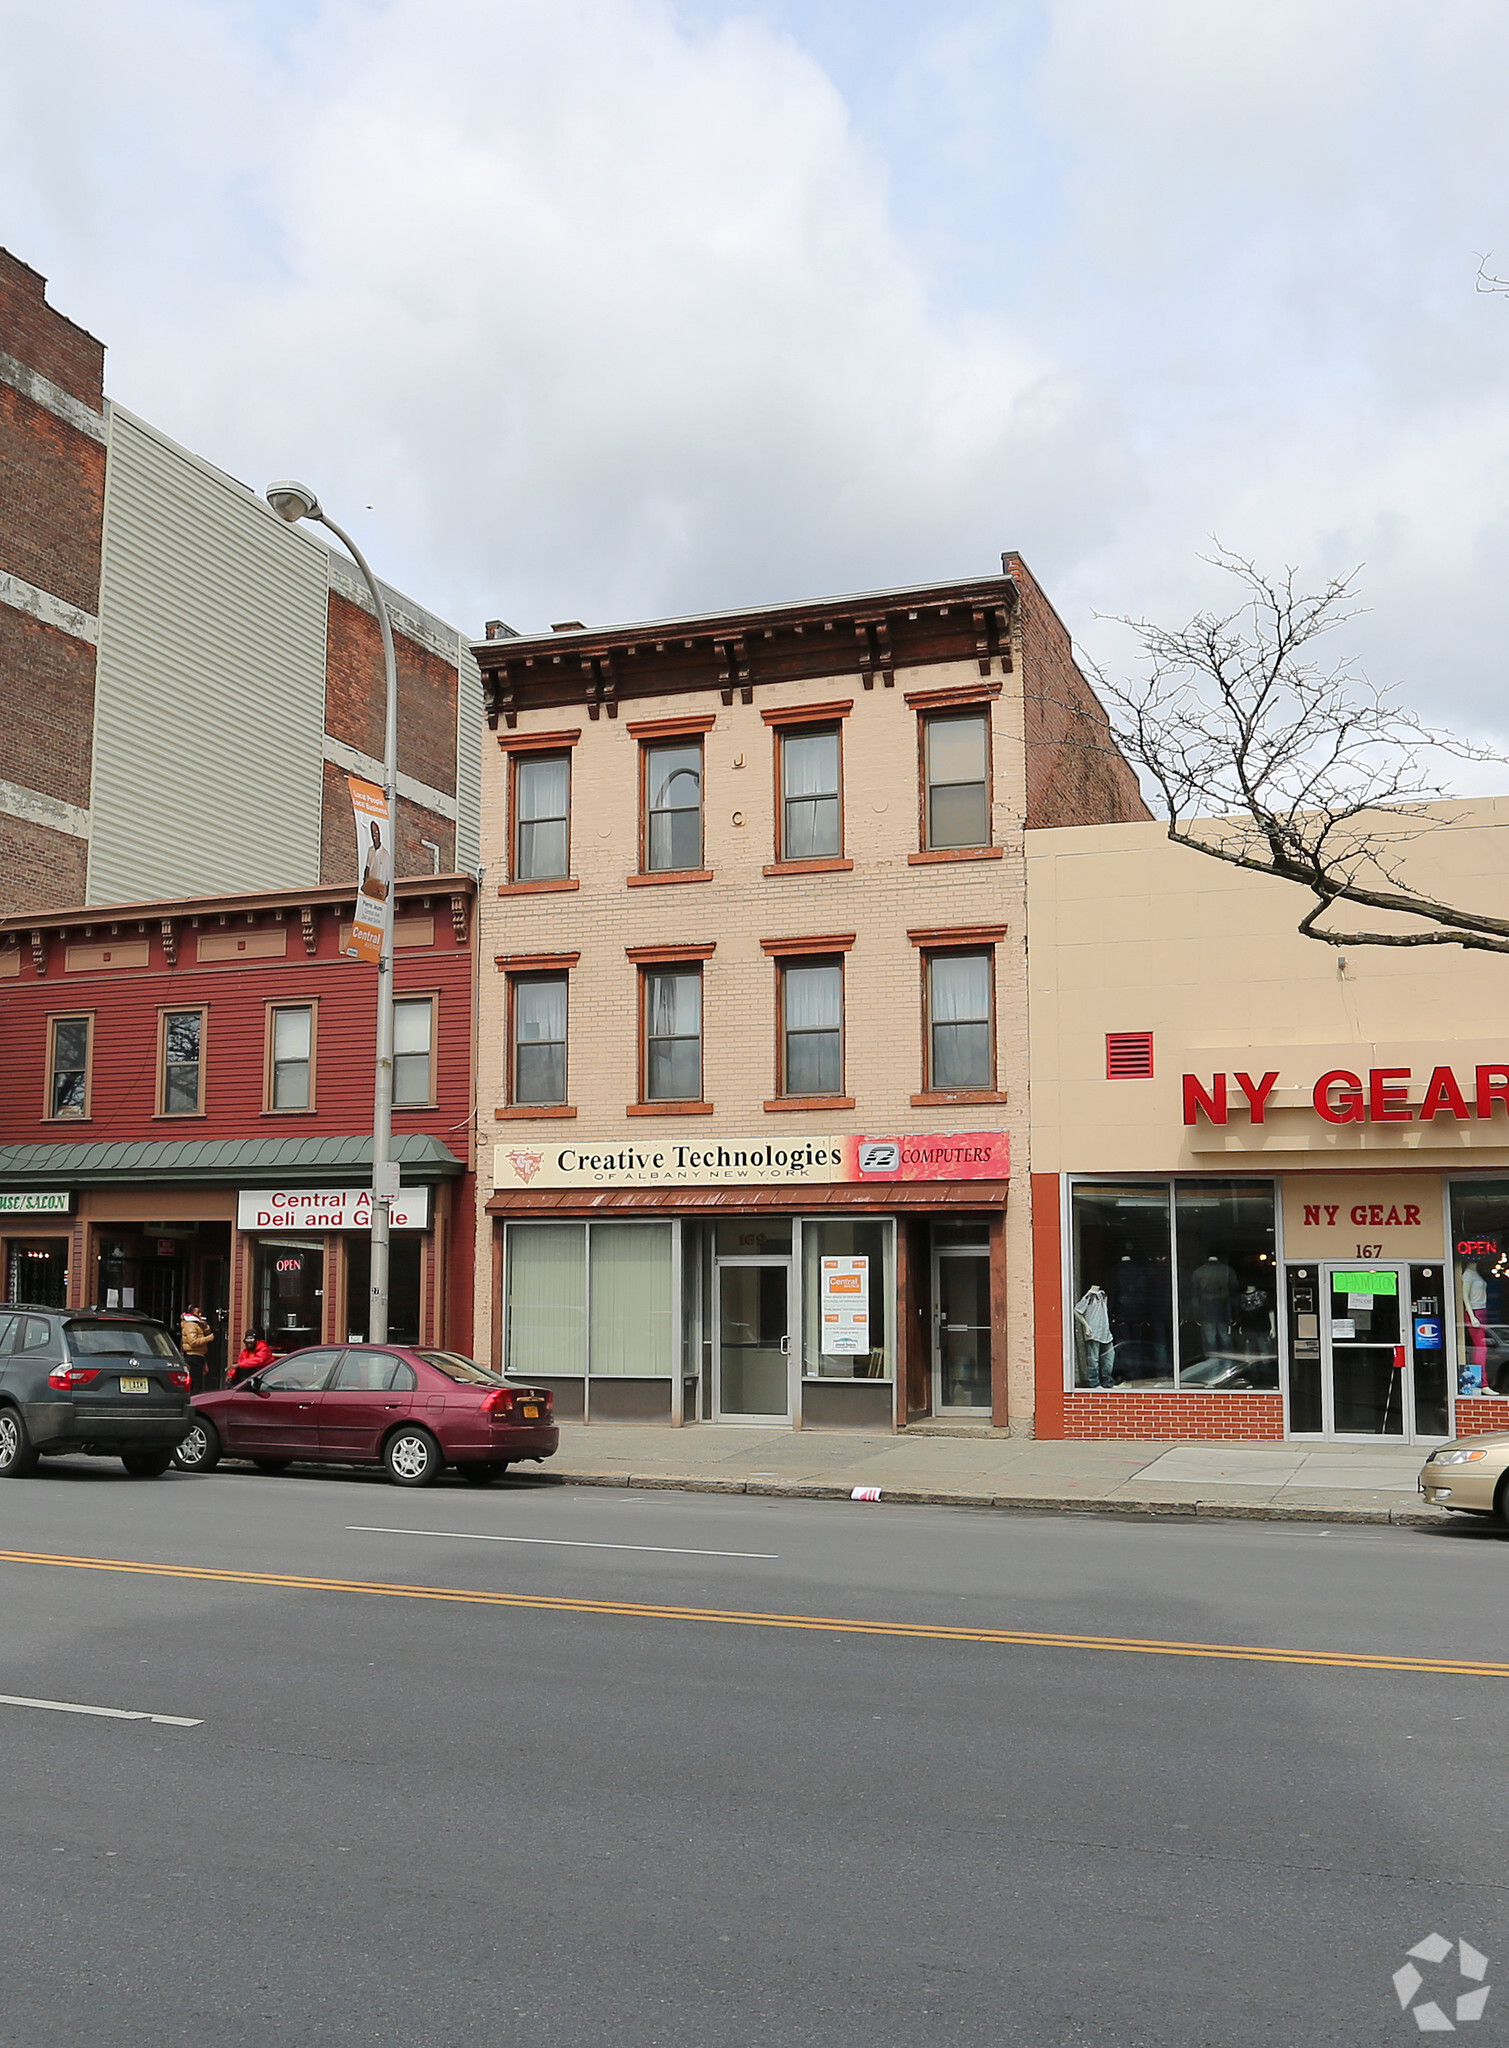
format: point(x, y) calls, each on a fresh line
point(258, 1388)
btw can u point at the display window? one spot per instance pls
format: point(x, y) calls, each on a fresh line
point(1174, 1284)
point(36, 1270)
point(847, 1291)
point(289, 1291)
point(1480, 1285)
point(589, 1298)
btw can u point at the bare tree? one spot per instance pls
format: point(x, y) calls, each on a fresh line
point(1270, 761)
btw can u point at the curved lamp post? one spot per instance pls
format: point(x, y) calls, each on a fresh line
point(295, 501)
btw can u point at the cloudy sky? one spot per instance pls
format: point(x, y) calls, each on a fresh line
point(614, 308)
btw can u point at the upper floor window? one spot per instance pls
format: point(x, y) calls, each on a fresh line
point(812, 1027)
point(960, 1029)
point(181, 1069)
point(956, 780)
point(413, 1052)
point(672, 1013)
point(811, 824)
point(538, 1039)
point(290, 1057)
point(70, 1042)
point(673, 807)
point(541, 817)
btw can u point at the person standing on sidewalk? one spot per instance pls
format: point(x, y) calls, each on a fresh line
point(196, 1335)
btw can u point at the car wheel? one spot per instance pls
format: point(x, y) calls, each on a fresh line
point(18, 1458)
point(413, 1457)
point(272, 1464)
point(200, 1450)
point(482, 1475)
point(146, 1464)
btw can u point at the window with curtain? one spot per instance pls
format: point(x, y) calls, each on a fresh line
point(812, 1017)
point(811, 826)
point(542, 812)
point(69, 1092)
point(413, 1049)
point(182, 1061)
point(673, 807)
point(960, 1054)
point(956, 757)
point(546, 1299)
point(539, 1038)
point(630, 1293)
point(673, 1034)
point(292, 1058)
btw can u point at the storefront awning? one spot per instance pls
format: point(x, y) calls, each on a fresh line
point(227, 1162)
point(893, 1197)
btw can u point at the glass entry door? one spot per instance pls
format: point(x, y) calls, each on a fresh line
point(753, 1351)
point(1365, 1349)
point(961, 1324)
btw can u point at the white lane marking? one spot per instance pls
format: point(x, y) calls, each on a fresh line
point(557, 1542)
point(8, 1699)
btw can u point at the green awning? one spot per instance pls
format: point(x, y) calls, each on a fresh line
point(282, 1161)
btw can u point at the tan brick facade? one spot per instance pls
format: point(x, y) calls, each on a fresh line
point(887, 890)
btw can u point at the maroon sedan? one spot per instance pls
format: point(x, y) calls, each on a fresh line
point(367, 1404)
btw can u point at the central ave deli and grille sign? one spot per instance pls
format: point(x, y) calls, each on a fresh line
point(327, 1209)
point(753, 1162)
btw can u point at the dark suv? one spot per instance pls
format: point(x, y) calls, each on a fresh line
point(105, 1382)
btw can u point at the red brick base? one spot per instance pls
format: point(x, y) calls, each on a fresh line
point(1161, 1416)
point(1479, 1414)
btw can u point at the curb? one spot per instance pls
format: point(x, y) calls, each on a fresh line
point(1025, 1503)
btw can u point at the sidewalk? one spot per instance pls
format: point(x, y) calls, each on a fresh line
point(1264, 1482)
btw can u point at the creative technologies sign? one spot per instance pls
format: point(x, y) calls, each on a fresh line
point(754, 1162)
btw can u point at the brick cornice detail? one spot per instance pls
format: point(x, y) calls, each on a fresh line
point(819, 942)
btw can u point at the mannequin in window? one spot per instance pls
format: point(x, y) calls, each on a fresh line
point(1139, 1308)
point(1472, 1287)
point(1212, 1296)
point(1254, 1323)
point(1092, 1315)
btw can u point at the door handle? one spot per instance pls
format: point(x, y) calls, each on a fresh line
point(786, 1347)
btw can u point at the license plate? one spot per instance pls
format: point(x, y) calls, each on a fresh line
point(136, 1386)
point(531, 1414)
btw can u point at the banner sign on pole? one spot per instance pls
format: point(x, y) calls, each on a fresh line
point(374, 904)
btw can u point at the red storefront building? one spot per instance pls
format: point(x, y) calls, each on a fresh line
point(186, 1112)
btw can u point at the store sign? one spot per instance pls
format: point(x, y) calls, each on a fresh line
point(36, 1203)
point(1362, 1216)
point(327, 1209)
point(1380, 1096)
point(754, 1162)
point(844, 1306)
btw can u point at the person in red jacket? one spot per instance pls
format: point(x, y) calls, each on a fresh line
point(255, 1352)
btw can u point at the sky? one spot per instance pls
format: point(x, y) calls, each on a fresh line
point(615, 309)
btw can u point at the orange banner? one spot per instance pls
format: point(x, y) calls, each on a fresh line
point(374, 902)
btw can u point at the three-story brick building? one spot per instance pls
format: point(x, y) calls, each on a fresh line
point(752, 1047)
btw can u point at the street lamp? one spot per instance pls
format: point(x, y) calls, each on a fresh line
point(293, 501)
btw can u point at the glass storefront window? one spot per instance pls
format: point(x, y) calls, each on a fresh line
point(630, 1331)
point(1135, 1245)
point(754, 1237)
point(38, 1272)
point(290, 1291)
point(589, 1297)
point(1123, 1309)
point(1479, 1301)
point(847, 1240)
point(545, 1325)
point(1228, 1285)
point(405, 1261)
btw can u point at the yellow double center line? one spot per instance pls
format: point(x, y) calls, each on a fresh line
point(646, 1610)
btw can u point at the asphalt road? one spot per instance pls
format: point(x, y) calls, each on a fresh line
point(442, 1821)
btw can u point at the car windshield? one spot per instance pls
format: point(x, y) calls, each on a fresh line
point(139, 1340)
point(455, 1367)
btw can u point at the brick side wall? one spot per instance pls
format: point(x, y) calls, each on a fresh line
point(52, 500)
point(1076, 775)
point(415, 824)
point(1170, 1417)
point(39, 869)
point(354, 697)
point(47, 685)
point(31, 331)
